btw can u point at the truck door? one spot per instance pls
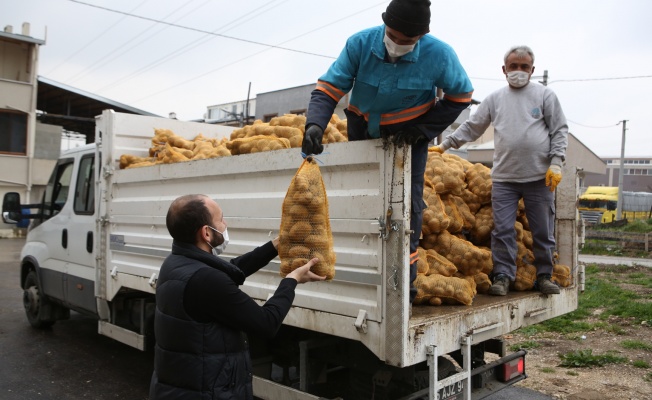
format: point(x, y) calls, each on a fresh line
point(80, 269)
point(49, 235)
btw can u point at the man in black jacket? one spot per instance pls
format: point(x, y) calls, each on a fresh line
point(202, 316)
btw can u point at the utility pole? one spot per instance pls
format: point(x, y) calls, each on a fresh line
point(621, 174)
point(544, 82)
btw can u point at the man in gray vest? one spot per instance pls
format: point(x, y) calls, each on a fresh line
point(202, 317)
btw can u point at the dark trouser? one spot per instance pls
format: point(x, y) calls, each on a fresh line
point(357, 130)
point(540, 212)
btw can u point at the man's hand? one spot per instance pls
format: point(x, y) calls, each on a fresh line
point(303, 273)
point(437, 149)
point(312, 140)
point(553, 176)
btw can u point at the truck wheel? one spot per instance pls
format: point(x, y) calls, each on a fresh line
point(34, 303)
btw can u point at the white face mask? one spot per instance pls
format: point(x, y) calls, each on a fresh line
point(217, 250)
point(518, 79)
point(396, 50)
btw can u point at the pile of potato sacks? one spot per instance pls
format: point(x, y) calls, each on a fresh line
point(454, 255)
point(279, 133)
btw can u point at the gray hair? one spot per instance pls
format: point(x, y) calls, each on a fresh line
point(520, 51)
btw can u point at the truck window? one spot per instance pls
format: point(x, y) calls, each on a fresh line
point(85, 187)
point(56, 192)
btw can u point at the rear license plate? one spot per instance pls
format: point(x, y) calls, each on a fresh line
point(453, 391)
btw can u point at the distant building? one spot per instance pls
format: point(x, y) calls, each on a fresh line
point(28, 149)
point(637, 174)
point(237, 113)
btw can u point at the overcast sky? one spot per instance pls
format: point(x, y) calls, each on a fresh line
point(182, 56)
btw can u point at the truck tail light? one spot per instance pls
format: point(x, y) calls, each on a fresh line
point(511, 369)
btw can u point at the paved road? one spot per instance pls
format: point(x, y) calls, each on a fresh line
point(72, 361)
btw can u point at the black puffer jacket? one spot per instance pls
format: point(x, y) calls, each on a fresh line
point(201, 351)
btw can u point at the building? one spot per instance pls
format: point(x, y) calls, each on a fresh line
point(28, 149)
point(637, 174)
point(35, 113)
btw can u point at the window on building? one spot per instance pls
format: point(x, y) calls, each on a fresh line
point(15, 63)
point(268, 117)
point(13, 132)
point(298, 112)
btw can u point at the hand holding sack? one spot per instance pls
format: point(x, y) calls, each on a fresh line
point(305, 225)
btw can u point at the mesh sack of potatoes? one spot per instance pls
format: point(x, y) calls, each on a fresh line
point(456, 220)
point(442, 287)
point(470, 279)
point(422, 264)
point(468, 218)
point(436, 263)
point(478, 179)
point(468, 258)
point(444, 176)
point(434, 219)
point(341, 125)
point(257, 144)
point(456, 162)
point(471, 200)
point(523, 254)
point(129, 161)
point(526, 275)
point(482, 282)
point(305, 226)
point(484, 224)
point(520, 215)
point(561, 274)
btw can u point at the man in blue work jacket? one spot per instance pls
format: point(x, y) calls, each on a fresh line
point(393, 72)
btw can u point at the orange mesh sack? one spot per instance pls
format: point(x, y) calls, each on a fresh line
point(443, 287)
point(526, 275)
point(257, 144)
point(561, 275)
point(438, 264)
point(435, 219)
point(468, 258)
point(305, 225)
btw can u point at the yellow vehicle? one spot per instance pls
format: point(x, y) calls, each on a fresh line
point(599, 205)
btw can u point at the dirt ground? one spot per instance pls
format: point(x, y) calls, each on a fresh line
point(613, 381)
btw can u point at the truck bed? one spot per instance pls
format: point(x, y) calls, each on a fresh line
point(367, 301)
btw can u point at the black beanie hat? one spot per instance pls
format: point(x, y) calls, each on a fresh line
point(410, 17)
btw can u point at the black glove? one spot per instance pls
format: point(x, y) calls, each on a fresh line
point(408, 136)
point(312, 140)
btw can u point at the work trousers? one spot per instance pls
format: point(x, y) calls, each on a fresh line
point(540, 213)
point(419, 159)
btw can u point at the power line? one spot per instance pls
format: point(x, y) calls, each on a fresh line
point(602, 79)
point(201, 30)
point(594, 127)
point(187, 47)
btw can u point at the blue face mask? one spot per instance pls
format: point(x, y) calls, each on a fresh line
point(219, 249)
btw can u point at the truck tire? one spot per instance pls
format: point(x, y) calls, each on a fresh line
point(36, 305)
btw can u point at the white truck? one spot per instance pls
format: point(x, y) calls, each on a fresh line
point(98, 238)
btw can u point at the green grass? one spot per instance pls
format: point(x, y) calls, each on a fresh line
point(600, 293)
point(641, 364)
point(547, 370)
point(586, 358)
point(637, 226)
point(636, 345)
point(648, 377)
point(572, 373)
point(527, 345)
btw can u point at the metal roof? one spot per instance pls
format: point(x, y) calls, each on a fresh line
point(75, 109)
point(22, 38)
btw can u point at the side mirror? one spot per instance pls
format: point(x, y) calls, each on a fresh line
point(11, 212)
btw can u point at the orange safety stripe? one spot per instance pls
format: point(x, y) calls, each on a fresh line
point(459, 98)
point(332, 92)
point(407, 114)
point(414, 257)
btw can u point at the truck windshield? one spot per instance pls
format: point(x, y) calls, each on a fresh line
point(598, 204)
